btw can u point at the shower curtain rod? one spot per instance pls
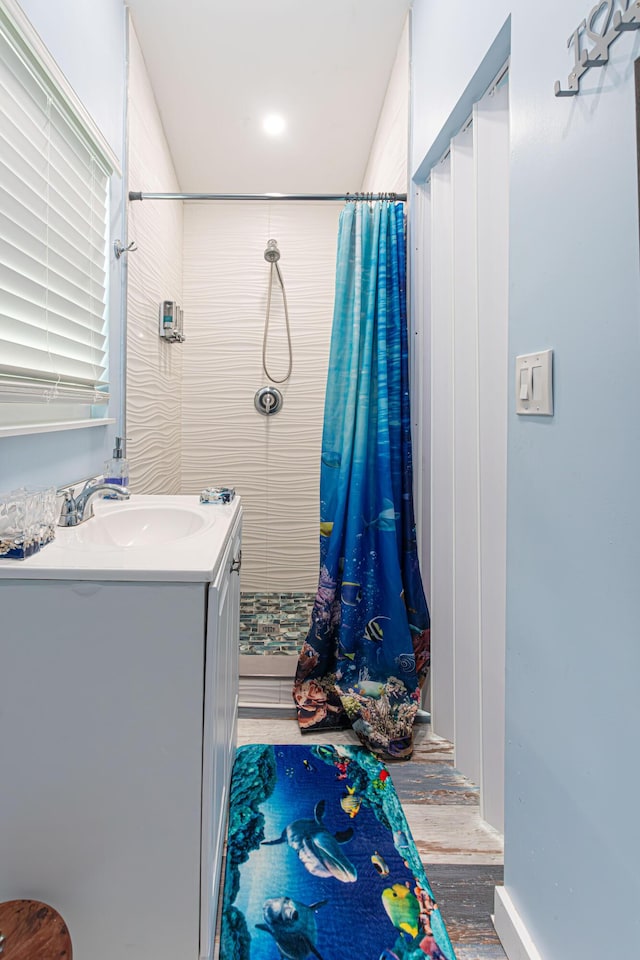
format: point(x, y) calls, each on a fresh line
point(137, 195)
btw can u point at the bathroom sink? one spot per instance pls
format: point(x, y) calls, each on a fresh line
point(155, 537)
point(124, 524)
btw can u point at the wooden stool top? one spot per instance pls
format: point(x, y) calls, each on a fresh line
point(31, 930)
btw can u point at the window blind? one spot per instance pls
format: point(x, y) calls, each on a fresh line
point(54, 190)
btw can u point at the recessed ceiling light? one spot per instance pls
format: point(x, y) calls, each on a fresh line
point(273, 124)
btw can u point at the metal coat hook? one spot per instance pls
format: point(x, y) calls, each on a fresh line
point(612, 26)
point(119, 248)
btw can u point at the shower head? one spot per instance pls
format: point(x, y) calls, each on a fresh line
point(272, 254)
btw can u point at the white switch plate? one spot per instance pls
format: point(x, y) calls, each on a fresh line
point(534, 383)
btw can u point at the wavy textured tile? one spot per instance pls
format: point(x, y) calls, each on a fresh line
point(274, 463)
point(154, 368)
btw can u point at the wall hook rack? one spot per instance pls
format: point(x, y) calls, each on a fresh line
point(119, 248)
point(612, 25)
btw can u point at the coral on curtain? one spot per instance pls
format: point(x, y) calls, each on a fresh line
point(367, 653)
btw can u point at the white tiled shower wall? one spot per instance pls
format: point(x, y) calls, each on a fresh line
point(273, 462)
point(154, 368)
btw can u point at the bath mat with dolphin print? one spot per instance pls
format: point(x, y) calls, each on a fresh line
point(321, 863)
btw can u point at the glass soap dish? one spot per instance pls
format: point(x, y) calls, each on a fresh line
point(217, 495)
point(27, 522)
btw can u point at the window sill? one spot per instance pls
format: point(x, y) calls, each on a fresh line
point(23, 429)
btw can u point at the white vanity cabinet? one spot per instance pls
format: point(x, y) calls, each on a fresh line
point(118, 702)
point(221, 711)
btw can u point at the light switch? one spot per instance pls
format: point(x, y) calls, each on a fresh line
point(534, 383)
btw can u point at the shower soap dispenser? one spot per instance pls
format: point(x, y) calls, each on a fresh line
point(171, 322)
point(116, 470)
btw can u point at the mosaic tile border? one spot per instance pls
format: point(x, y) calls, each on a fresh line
point(274, 623)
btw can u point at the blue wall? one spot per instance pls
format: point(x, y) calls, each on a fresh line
point(88, 42)
point(573, 601)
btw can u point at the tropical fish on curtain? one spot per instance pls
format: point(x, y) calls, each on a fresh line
point(367, 653)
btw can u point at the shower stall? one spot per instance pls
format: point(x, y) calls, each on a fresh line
point(212, 417)
point(191, 413)
point(273, 461)
point(192, 416)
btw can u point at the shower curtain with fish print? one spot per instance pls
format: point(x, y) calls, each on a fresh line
point(367, 653)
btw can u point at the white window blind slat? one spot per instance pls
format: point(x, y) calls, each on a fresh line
point(79, 202)
point(22, 286)
point(17, 213)
point(38, 315)
point(30, 116)
point(46, 365)
point(79, 237)
point(47, 309)
point(75, 161)
point(61, 203)
point(88, 189)
point(59, 217)
point(17, 265)
point(64, 268)
point(53, 236)
point(30, 194)
point(24, 228)
point(13, 307)
point(30, 180)
point(82, 198)
point(89, 261)
point(17, 389)
point(76, 152)
point(40, 264)
point(74, 311)
point(76, 156)
point(29, 144)
point(24, 244)
point(35, 338)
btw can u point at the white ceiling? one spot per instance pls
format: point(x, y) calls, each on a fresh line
point(218, 66)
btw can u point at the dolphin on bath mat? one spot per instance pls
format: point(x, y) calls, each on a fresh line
point(292, 925)
point(318, 849)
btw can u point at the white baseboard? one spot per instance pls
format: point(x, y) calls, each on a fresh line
point(259, 711)
point(266, 690)
point(514, 936)
point(268, 666)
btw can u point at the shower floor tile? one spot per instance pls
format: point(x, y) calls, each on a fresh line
point(274, 623)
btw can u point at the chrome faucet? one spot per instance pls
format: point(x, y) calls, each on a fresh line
point(76, 510)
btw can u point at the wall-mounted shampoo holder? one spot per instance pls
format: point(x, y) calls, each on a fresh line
point(171, 322)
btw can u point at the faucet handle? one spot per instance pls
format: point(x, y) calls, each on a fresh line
point(69, 509)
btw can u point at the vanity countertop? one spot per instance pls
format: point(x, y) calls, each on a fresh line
point(196, 535)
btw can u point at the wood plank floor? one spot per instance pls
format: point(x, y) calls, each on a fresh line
point(462, 855)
